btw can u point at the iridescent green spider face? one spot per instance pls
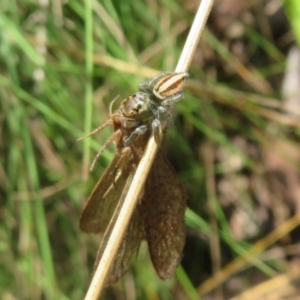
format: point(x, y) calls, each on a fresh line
point(139, 106)
point(136, 112)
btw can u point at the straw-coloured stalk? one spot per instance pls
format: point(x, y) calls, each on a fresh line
point(124, 214)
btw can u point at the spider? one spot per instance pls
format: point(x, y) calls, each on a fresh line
point(146, 109)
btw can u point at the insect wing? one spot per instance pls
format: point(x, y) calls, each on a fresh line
point(103, 201)
point(131, 241)
point(164, 207)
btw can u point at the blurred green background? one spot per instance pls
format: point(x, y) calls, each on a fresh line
point(234, 144)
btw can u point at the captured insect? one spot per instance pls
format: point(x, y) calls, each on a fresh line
point(159, 215)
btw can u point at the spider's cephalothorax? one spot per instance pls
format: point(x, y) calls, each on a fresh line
point(136, 112)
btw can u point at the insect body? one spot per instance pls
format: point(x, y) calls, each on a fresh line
point(159, 216)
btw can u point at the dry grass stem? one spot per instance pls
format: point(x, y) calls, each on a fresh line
point(250, 256)
point(267, 289)
point(144, 165)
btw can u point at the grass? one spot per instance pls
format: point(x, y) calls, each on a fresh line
point(61, 65)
